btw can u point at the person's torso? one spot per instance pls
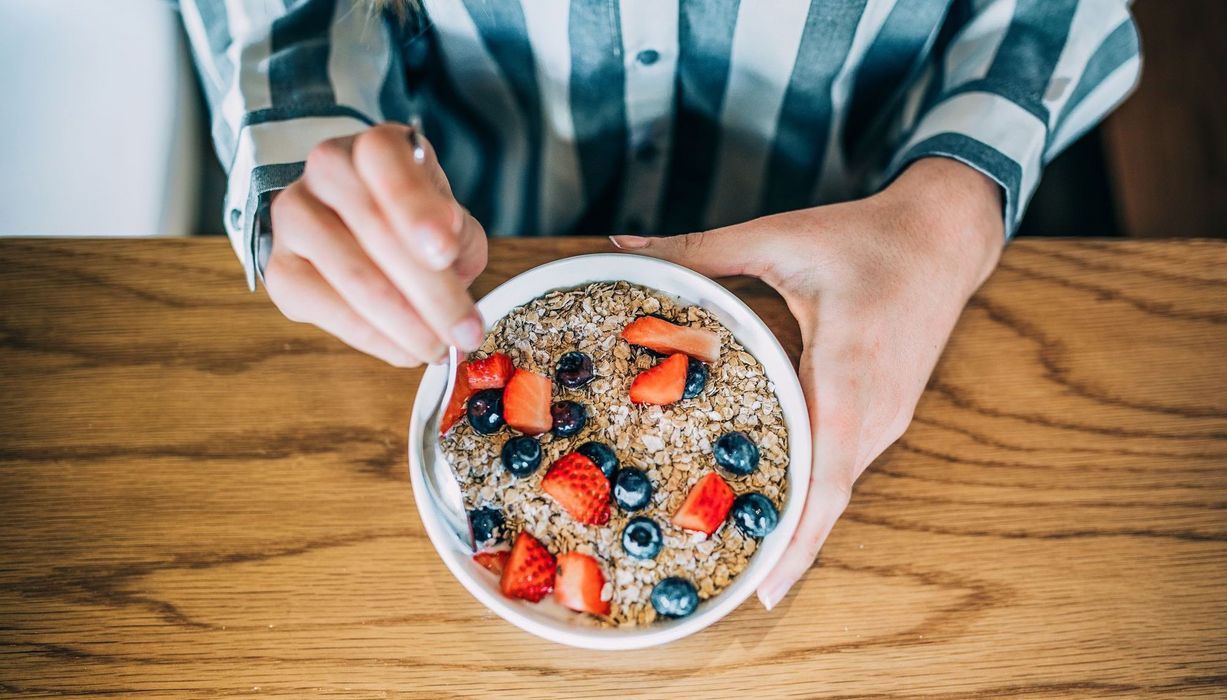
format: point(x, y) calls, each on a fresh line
point(590, 116)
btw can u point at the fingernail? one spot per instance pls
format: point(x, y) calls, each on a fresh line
point(467, 334)
point(768, 600)
point(630, 242)
point(438, 254)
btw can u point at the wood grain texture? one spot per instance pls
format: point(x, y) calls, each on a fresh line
point(201, 499)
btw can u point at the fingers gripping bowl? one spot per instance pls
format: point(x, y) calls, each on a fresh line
point(642, 283)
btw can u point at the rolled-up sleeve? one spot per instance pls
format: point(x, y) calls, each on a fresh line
point(279, 79)
point(1014, 83)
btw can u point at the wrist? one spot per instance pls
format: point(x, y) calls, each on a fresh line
point(953, 213)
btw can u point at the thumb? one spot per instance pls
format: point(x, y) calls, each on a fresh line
point(717, 253)
point(830, 486)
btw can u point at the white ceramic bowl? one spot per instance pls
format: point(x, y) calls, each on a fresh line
point(550, 621)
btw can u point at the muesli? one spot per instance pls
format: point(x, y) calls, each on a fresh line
point(618, 451)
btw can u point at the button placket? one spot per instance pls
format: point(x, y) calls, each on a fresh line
point(649, 40)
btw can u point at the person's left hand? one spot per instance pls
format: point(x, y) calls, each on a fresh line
point(876, 286)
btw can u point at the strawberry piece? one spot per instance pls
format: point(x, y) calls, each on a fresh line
point(494, 561)
point(455, 406)
point(579, 582)
point(663, 384)
point(660, 335)
point(492, 372)
point(707, 505)
point(526, 402)
point(579, 486)
point(528, 573)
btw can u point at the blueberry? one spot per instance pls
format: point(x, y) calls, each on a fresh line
point(736, 453)
point(574, 370)
point(487, 525)
point(674, 597)
point(521, 455)
point(641, 538)
point(601, 455)
point(569, 418)
point(755, 515)
point(696, 378)
point(486, 411)
point(632, 489)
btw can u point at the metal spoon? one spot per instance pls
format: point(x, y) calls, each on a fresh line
point(442, 485)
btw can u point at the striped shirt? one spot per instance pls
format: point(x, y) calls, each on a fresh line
point(661, 116)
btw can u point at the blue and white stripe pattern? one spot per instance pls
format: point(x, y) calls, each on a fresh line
point(661, 116)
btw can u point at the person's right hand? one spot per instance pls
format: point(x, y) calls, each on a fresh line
point(372, 247)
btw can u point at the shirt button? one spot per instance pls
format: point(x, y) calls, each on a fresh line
point(648, 56)
point(646, 151)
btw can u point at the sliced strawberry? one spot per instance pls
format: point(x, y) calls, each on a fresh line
point(494, 561)
point(579, 486)
point(707, 505)
point(660, 335)
point(579, 582)
point(526, 402)
point(663, 384)
point(492, 372)
point(455, 406)
point(529, 571)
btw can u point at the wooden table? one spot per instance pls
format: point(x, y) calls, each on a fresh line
point(203, 499)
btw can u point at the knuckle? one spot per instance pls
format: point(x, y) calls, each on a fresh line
point(374, 139)
point(327, 155)
point(693, 243)
point(376, 292)
point(288, 213)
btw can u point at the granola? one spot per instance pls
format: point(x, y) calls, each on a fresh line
point(672, 444)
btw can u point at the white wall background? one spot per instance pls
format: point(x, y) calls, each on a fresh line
point(98, 119)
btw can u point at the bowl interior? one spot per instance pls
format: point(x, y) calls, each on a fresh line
point(687, 287)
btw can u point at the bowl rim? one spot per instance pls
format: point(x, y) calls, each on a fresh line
point(712, 610)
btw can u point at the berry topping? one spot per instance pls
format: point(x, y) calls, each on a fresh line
point(662, 336)
point(642, 539)
point(706, 506)
point(529, 571)
point(486, 411)
point(486, 524)
point(736, 453)
point(574, 370)
point(674, 597)
point(527, 397)
point(601, 455)
point(662, 384)
point(494, 561)
point(579, 487)
point(632, 489)
point(521, 455)
point(455, 405)
point(492, 372)
point(579, 582)
point(568, 418)
point(696, 379)
point(755, 515)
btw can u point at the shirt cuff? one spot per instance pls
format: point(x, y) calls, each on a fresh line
point(988, 132)
point(270, 156)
